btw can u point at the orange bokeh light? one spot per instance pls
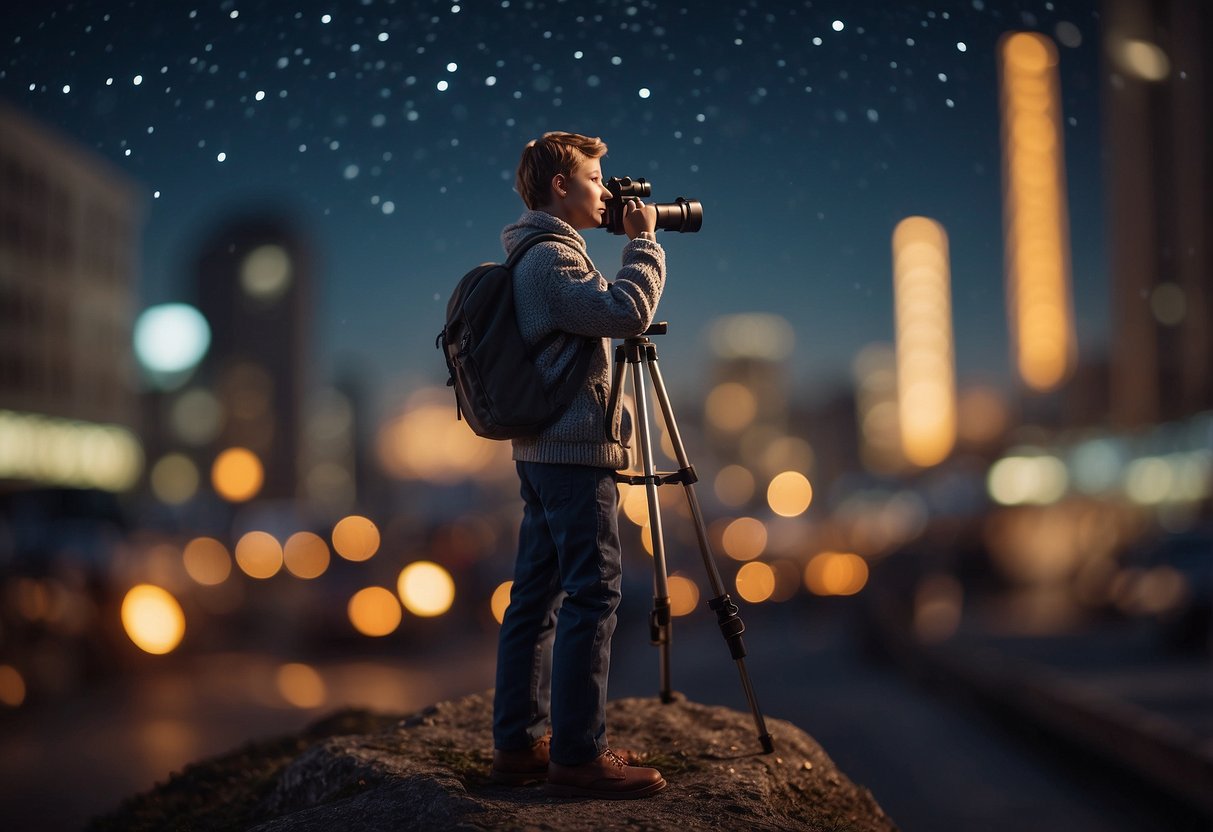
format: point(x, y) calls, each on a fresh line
point(305, 555)
point(207, 561)
point(356, 538)
point(755, 582)
point(375, 611)
point(259, 555)
point(501, 600)
point(237, 475)
point(836, 573)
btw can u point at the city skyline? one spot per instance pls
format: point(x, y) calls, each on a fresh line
point(390, 132)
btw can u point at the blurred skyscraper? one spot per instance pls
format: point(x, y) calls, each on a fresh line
point(254, 277)
point(69, 240)
point(1158, 111)
point(747, 406)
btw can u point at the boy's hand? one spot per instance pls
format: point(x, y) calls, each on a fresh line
point(638, 217)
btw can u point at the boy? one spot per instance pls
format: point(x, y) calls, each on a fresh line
point(554, 650)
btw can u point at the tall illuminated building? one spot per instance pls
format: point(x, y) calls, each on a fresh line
point(69, 240)
point(1158, 120)
point(1036, 224)
point(253, 284)
point(926, 374)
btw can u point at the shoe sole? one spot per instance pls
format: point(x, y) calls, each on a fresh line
point(559, 790)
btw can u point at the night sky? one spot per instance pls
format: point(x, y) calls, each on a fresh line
point(391, 132)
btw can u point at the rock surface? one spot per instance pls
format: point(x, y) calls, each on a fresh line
point(429, 771)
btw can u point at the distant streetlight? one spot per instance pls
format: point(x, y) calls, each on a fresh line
point(170, 340)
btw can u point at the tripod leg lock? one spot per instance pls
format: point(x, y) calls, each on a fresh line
point(659, 622)
point(731, 626)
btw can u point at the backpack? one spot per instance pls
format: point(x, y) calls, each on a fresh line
point(498, 389)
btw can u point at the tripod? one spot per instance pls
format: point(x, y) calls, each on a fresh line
point(636, 351)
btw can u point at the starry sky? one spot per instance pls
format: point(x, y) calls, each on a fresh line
point(390, 132)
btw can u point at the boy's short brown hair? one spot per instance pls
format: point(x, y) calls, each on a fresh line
point(544, 158)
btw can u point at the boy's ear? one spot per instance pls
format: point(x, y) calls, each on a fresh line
point(560, 186)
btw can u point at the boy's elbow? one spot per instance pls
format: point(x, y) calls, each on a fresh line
point(641, 320)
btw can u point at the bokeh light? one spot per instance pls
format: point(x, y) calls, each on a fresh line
point(752, 335)
point(356, 538)
point(926, 375)
point(1037, 217)
point(836, 573)
point(1143, 59)
point(1027, 478)
point(153, 619)
point(375, 611)
point(744, 538)
point(305, 555)
point(12, 686)
point(196, 417)
point(265, 273)
point(635, 505)
point(301, 686)
point(789, 494)
point(171, 338)
point(734, 486)
point(426, 442)
point(755, 582)
point(259, 555)
point(174, 479)
point(730, 407)
point(207, 561)
point(68, 452)
point(646, 538)
point(684, 595)
point(426, 589)
point(1169, 303)
point(237, 475)
point(501, 600)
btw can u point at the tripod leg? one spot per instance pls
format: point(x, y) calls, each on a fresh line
point(731, 626)
point(659, 621)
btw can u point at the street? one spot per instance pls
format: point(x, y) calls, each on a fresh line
point(931, 760)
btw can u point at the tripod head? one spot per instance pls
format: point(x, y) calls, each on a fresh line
point(659, 328)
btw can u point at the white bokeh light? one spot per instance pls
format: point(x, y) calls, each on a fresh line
point(171, 338)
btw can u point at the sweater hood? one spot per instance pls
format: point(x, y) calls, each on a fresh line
point(539, 222)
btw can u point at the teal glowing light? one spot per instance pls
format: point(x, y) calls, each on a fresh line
point(171, 338)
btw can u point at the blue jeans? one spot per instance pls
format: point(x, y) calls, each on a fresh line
point(566, 590)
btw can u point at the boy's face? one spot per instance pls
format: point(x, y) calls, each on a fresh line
point(581, 195)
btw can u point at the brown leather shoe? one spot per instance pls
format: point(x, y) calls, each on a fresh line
point(607, 777)
point(530, 765)
point(523, 767)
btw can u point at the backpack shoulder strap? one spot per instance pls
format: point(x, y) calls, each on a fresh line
point(525, 245)
point(549, 339)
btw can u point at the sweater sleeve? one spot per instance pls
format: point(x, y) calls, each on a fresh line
point(577, 301)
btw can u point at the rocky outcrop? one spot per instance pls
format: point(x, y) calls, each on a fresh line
point(429, 771)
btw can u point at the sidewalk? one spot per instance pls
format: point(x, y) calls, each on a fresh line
point(1105, 692)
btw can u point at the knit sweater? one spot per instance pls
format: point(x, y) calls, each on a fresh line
point(557, 289)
